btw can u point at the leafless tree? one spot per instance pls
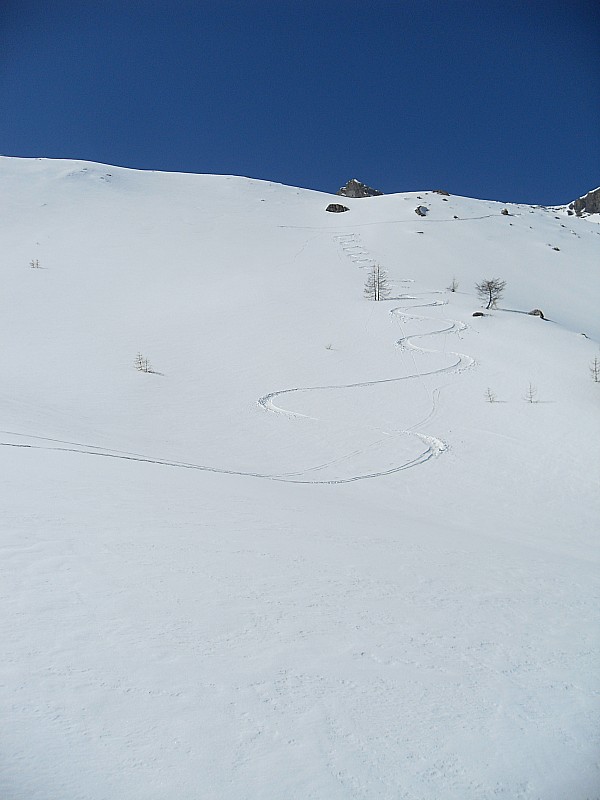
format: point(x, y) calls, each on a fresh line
point(531, 394)
point(377, 286)
point(34, 263)
point(595, 369)
point(490, 289)
point(490, 396)
point(142, 364)
point(453, 285)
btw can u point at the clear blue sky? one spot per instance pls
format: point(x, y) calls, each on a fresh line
point(491, 99)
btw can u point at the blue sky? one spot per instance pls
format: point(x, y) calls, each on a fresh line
point(497, 100)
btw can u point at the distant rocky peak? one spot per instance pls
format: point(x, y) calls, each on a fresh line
point(588, 204)
point(355, 188)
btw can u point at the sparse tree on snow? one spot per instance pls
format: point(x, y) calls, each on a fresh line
point(377, 286)
point(595, 369)
point(531, 394)
point(490, 290)
point(490, 396)
point(142, 364)
point(453, 285)
point(34, 263)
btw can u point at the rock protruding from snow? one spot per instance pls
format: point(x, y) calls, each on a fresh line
point(354, 188)
point(337, 208)
point(588, 204)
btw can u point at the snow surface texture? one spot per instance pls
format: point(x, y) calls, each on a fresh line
point(305, 557)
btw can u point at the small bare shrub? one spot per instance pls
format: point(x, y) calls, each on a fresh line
point(142, 364)
point(531, 394)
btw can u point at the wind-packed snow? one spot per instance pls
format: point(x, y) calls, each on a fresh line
point(304, 557)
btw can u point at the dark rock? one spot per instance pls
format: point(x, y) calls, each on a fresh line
point(536, 313)
point(421, 211)
point(478, 314)
point(588, 204)
point(336, 208)
point(441, 191)
point(355, 188)
point(505, 212)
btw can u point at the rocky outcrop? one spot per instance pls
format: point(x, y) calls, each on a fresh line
point(588, 204)
point(337, 208)
point(355, 188)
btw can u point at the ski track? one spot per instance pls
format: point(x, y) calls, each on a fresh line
point(354, 250)
point(428, 219)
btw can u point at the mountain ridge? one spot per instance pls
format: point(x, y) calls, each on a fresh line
point(81, 164)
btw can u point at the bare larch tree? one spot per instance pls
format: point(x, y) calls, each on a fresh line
point(377, 286)
point(490, 289)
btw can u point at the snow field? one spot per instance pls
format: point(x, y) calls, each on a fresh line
point(182, 618)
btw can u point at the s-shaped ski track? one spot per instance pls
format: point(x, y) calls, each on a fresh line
point(433, 445)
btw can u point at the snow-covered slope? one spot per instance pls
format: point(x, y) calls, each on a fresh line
point(304, 557)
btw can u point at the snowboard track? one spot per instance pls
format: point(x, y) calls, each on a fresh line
point(433, 446)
